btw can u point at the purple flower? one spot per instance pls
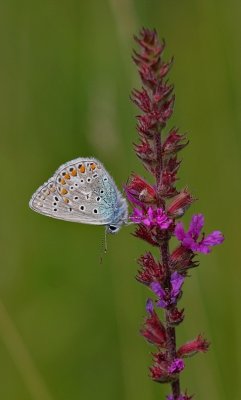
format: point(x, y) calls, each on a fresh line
point(176, 282)
point(181, 397)
point(151, 217)
point(189, 239)
point(176, 366)
point(168, 298)
point(149, 306)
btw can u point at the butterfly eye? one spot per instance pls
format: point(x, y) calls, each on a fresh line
point(113, 228)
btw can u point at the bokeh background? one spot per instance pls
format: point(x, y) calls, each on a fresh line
point(68, 325)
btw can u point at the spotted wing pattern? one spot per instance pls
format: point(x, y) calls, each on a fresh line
point(80, 191)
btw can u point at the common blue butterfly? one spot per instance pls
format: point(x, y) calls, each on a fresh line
point(82, 191)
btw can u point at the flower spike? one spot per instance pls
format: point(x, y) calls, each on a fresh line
point(156, 208)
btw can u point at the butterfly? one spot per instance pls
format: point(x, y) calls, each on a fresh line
point(82, 191)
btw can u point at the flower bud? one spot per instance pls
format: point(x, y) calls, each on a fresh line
point(195, 346)
point(154, 331)
point(175, 317)
point(150, 270)
point(180, 204)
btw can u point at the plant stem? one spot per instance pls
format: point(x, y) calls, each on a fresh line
point(159, 163)
point(159, 167)
point(164, 253)
point(171, 332)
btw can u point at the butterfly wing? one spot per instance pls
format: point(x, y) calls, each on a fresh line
point(80, 191)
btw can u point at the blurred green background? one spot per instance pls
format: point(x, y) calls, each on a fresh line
point(68, 325)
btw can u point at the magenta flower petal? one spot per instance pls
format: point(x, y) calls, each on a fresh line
point(151, 217)
point(150, 213)
point(189, 239)
point(176, 282)
point(132, 199)
point(165, 224)
point(162, 220)
point(179, 231)
point(149, 306)
point(162, 303)
point(196, 225)
point(146, 221)
point(176, 366)
point(214, 238)
point(157, 289)
point(137, 215)
point(201, 248)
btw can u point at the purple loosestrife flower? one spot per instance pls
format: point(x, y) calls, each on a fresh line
point(166, 298)
point(151, 217)
point(156, 207)
point(189, 239)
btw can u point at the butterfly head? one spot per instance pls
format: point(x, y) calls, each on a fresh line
point(120, 216)
point(113, 228)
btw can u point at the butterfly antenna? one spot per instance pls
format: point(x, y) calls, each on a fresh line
point(103, 246)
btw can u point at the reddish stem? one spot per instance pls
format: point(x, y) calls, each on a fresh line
point(164, 253)
point(171, 332)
